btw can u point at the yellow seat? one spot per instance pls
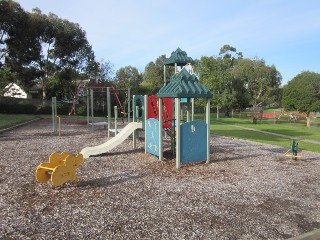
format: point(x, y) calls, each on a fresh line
point(61, 168)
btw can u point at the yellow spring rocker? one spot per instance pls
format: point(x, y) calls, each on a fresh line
point(293, 151)
point(61, 168)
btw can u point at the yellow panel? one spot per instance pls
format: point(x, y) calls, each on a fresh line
point(67, 171)
point(61, 168)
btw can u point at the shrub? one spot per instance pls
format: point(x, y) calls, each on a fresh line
point(44, 109)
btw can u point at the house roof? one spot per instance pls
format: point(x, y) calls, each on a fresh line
point(184, 85)
point(179, 57)
point(13, 90)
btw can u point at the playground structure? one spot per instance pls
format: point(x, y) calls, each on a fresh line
point(89, 95)
point(190, 140)
point(293, 151)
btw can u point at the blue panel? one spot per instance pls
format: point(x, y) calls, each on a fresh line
point(193, 142)
point(152, 136)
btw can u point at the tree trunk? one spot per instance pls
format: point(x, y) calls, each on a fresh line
point(217, 112)
point(308, 121)
point(44, 95)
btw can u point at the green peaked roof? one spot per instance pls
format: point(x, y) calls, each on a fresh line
point(179, 57)
point(184, 85)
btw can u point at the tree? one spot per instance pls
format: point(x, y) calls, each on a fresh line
point(153, 76)
point(6, 77)
point(36, 48)
point(62, 44)
point(12, 18)
point(16, 45)
point(302, 94)
point(128, 77)
point(217, 75)
point(100, 71)
point(260, 80)
point(60, 84)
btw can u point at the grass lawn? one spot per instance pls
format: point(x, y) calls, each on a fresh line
point(221, 129)
point(296, 130)
point(9, 120)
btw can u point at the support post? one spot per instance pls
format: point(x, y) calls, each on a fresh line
point(177, 112)
point(188, 110)
point(88, 106)
point(54, 114)
point(134, 116)
point(192, 109)
point(91, 101)
point(208, 129)
point(129, 106)
point(115, 120)
point(160, 129)
point(164, 75)
point(145, 121)
point(108, 110)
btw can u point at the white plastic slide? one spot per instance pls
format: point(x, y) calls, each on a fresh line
point(113, 142)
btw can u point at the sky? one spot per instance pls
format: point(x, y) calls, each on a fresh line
point(285, 33)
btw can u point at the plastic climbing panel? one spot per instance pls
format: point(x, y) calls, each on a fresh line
point(153, 110)
point(193, 142)
point(152, 136)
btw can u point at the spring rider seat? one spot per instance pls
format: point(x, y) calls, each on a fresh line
point(60, 168)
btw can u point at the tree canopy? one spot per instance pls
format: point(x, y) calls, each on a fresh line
point(153, 76)
point(128, 77)
point(37, 47)
point(238, 82)
point(302, 94)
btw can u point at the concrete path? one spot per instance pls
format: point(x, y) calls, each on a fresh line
point(271, 133)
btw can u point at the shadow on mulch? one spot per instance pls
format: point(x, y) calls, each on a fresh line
point(132, 151)
point(108, 181)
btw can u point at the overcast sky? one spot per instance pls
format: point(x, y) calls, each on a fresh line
point(284, 33)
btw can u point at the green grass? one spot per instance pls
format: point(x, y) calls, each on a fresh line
point(223, 127)
point(297, 130)
point(9, 120)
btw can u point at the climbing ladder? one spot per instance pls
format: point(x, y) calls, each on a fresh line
point(118, 99)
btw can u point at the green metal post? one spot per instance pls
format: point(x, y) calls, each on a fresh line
point(108, 110)
point(115, 120)
point(178, 140)
point(188, 110)
point(208, 129)
point(145, 121)
point(88, 107)
point(164, 75)
point(129, 106)
point(91, 101)
point(134, 116)
point(54, 114)
point(192, 109)
point(160, 129)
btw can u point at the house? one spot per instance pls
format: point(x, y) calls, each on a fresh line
point(13, 90)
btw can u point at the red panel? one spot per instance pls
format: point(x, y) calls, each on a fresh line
point(153, 110)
